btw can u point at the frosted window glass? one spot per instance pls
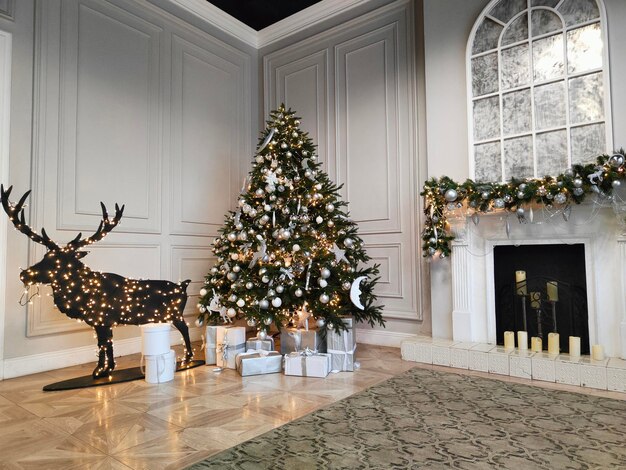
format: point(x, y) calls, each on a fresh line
point(548, 58)
point(487, 162)
point(517, 31)
point(587, 142)
point(550, 105)
point(584, 48)
point(516, 112)
point(486, 118)
point(544, 3)
point(507, 9)
point(487, 36)
point(579, 11)
point(485, 74)
point(586, 98)
point(544, 22)
point(551, 153)
point(518, 158)
point(515, 67)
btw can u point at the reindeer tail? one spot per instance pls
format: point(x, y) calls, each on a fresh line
point(185, 284)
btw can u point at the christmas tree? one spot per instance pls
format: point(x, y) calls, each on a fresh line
point(289, 251)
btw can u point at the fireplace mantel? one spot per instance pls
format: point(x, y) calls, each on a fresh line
point(473, 290)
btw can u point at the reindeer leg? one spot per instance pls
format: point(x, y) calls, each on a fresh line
point(105, 352)
point(184, 330)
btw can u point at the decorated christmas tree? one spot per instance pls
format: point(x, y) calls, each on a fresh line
point(290, 250)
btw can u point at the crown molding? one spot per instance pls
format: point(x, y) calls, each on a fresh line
point(316, 13)
point(220, 19)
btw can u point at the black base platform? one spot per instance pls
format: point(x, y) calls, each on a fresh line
point(116, 377)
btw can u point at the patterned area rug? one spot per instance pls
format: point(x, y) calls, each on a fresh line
point(428, 419)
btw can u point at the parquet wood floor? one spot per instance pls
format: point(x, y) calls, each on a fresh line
point(142, 426)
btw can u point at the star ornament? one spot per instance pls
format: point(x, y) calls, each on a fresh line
point(340, 255)
point(303, 317)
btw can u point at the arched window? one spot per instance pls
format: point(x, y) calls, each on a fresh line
point(537, 87)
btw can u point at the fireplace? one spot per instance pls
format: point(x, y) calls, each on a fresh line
point(552, 297)
point(593, 230)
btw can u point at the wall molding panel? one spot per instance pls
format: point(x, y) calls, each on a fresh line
point(125, 96)
point(363, 73)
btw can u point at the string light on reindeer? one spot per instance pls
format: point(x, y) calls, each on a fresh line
point(101, 300)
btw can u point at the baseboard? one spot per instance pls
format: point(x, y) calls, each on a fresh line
point(381, 337)
point(44, 362)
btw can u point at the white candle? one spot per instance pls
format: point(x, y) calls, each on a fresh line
point(553, 291)
point(522, 340)
point(509, 340)
point(553, 344)
point(574, 346)
point(520, 282)
point(536, 344)
point(597, 352)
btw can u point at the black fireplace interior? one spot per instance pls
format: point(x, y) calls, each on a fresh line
point(564, 264)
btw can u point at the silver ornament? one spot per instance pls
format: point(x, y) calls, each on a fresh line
point(283, 145)
point(578, 182)
point(346, 285)
point(349, 243)
point(241, 303)
point(320, 322)
point(268, 321)
point(520, 211)
point(485, 195)
point(231, 312)
point(280, 289)
point(234, 256)
point(249, 285)
point(616, 160)
point(325, 272)
point(520, 195)
point(560, 198)
point(262, 335)
point(236, 268)
point(451, 195)
point(265, 279)
point(319, 219)
point(232, 276)
point(277, 302)
point(508, 198)
point(498, 203)
point(330, 207)
point(232, 236)
point(295, 248)
point(203, 292)
point(522, 186)
point(264, 304)
point(616, 183)
point(578, 191)
point(322, 283)
point(251, 322)
point(298, 292)
point(324, 298)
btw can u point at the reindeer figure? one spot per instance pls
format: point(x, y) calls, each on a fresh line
point(102, 300)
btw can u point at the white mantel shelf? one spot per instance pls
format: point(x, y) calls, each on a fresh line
point(609, 374)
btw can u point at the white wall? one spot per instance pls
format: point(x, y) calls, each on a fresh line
point(130, 105)
point(446, 30)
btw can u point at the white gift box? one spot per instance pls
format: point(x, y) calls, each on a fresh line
point(263, 344)
point(155, 339)
point(256, 362)
point(341, 345)
point(230, 342)
point(160, 368)
point(307, 364)
point(210, 345)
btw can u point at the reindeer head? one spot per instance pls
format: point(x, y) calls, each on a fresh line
point(58, 259)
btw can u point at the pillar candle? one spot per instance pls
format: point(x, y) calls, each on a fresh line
point(597, 352)
point(522, 340)
point(574, 346)
point(536, 344)
point(553, 291)
point(534, 300)
point(553, 344)
point(520, 282)
point(509, 340)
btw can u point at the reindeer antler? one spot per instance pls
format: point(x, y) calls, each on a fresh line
point(16, 216)
point(104, 228)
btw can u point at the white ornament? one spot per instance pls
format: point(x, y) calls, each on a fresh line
point(319, 219)
point(348, 243)
point(355, 292)
point(295, 248)
point(277, 302)
point(320, 322)
point(298, 292)
point(264, 304)
point(324, 298)
point(249, 285)
point(232, 236)
point(203, 292)
point(231, 312)
point(325, 273)
point(241, 303)
point(322, 282)
point(330, 207)
point(451, 195)
point(262, 335)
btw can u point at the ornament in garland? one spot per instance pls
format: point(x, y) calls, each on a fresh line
point(444, 195)
point(289, 251)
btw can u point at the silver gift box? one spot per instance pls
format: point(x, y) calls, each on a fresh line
point(341, 345)
point(258, 362)
point(294, 340)
point(263, 344)
point(303, 365)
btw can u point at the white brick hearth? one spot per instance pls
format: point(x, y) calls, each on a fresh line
point(609, 374)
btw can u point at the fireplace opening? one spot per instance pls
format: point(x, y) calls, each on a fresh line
point(542, 289)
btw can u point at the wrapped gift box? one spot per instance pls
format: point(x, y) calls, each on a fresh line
point(262, 344)
point(230, 340)
point(210, 344)
point(307, 365)
point(256, 362)
point(341, 345)
point(294, 340)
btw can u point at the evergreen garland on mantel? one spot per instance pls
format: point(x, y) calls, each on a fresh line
point(444, 194)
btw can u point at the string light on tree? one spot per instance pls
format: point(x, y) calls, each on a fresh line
point(301, 249)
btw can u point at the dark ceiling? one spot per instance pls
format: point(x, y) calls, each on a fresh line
point(259, 14)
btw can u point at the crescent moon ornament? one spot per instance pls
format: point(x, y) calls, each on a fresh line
point(355, 292)
point(267, 139)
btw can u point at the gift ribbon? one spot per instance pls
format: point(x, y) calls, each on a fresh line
point(345, 352)
point(257, 344)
